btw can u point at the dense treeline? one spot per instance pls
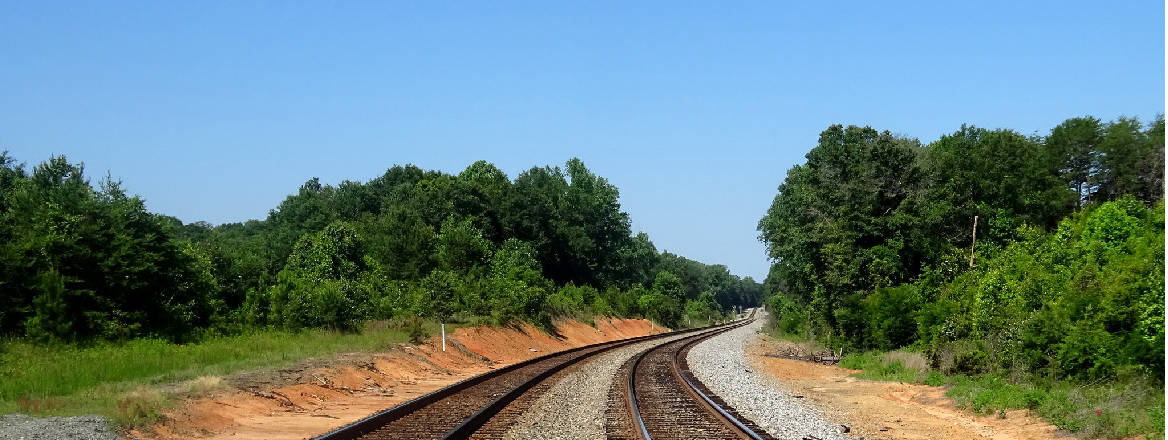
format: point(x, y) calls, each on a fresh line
point(79, 262)
point(870, 242)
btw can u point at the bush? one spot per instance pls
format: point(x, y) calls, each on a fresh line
point(440, 292)
point(571, 301)
point(663, 309)
point(621, 302)
point(970, 362)
point(788, 316)
point(414, 327)
point(891, 317)
point(328, 282)
point(300, 303)
point(518, 287)
point(1084, 302)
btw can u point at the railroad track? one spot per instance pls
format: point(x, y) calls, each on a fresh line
point(459, 410)
point(663, 400)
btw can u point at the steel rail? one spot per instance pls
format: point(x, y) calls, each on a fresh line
point(480, 417)
point(709, 402)
point(632, 390)
point(467, 427)
point(728, 418)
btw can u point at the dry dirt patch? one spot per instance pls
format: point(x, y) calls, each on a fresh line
point(316, 396)
point(891, 410)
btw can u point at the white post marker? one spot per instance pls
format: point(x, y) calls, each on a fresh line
point(443, 336)
point(973, 243)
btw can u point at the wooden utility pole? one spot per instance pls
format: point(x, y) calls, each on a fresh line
point(974, 243)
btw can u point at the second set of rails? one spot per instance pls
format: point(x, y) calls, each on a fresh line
point(659, 384)
point(667, 402)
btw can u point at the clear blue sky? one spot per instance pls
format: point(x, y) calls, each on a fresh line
point(216, 110)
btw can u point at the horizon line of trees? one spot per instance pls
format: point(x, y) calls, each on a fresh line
point(79, 262)
point(870, 241)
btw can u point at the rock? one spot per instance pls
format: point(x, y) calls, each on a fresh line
point(20, 426)
point(722, 365)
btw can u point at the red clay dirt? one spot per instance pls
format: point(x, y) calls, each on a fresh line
point(891, 410)
point(313, 398)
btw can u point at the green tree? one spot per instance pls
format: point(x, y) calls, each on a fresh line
point(1131, 160)
point(94, 259)
point(844, 222)
point(489, 193)
point(518, 286)
point(402, 242)
point(661, 308)
point(1003, 177)
point(327, 282)
point(461, 246)
point(637, 261)
point(669, 285)
point(1074, 143)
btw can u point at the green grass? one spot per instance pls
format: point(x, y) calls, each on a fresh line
point(125, 381)
point(1119, 408)
point(875, 367)
point(1124, 407)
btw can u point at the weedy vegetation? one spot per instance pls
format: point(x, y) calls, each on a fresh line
point(1058, 306)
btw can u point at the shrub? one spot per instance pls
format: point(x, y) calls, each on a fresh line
point(518, 288)
point(439, 288)
point(621, 302)
point(1084, 302)
point(890, 313)
point(300, 303)
point(788, 316)
point(570, 300)
point(415, 328)
point(663, 309)
point(910, 360)
point(972, 361)
point(327, 282)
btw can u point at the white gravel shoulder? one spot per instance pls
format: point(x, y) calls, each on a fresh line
point(721, 364)
point(22, 427)
point(575, 406)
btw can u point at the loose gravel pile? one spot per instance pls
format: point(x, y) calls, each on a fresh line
point(574, 407)
point(22, 427)
point(722, 365)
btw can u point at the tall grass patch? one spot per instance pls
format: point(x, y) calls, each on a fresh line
point(895, 366)
point(114, 379)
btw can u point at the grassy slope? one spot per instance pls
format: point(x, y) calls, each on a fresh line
point(1120, 408)
point(123, 381)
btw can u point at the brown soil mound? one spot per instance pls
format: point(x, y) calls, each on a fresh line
point(315, 397)
point(885, 410)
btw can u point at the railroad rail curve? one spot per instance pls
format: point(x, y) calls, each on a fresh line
point(457, 410)
point(668, 402)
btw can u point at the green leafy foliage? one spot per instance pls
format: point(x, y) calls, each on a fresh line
point(870, 240)
point(328, 282)
point(867, 235)
point(1083, 302)
point(79, 263)
point(789, 316)
point(660, 307)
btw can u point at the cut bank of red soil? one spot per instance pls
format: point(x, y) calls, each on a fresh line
point(316, 397)
point(887, 410)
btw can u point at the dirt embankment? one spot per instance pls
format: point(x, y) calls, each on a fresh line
point(891, 410)
point(316, 396)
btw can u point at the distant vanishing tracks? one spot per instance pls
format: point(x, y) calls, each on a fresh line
point(664, 395)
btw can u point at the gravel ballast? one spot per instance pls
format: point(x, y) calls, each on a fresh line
point(22, 427)
point(721, 364)
point(574, 408)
